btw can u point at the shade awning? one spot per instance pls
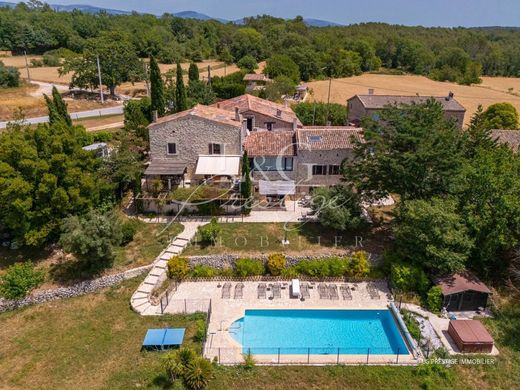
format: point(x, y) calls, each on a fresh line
point(166, 167)
point(217, 165)
point(280, 187)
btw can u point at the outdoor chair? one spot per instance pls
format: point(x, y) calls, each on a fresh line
point(333, 291)
point(261, 291)
point(226, 291)
point(372, 291)
point(239, 291)
point(345, 292)
point(277, 291)
point(304, 290)
point(322, 291)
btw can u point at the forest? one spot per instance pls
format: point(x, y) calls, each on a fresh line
point(453, 54)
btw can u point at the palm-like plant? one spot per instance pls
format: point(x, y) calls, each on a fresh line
point(198, 373)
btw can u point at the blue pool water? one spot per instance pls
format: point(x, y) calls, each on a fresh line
point(294, 332)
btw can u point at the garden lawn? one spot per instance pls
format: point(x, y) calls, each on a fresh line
point(309, 238)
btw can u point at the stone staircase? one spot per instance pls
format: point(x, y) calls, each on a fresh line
point(140, 301)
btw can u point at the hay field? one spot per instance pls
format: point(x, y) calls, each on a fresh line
point(492, 90)
point(18, 61)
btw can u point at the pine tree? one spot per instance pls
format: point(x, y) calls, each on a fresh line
point(193, 72)
point(54, 115)
point(157, 88)
point(245, 184)
point(61, 106)
point(180, 93)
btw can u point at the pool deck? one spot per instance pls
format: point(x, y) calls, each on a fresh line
point(192, 295)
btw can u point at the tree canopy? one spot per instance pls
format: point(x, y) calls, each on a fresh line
point(501, 116)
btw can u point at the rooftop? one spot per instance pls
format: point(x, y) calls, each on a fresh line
point(459, 282)
point(509, 137)
point(252, 103)
point(328, 137)
point(271, 143)
point(211, 113)
point(256, 77)
point(380, 101)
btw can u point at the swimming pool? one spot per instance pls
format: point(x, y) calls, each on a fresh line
point(296, 332)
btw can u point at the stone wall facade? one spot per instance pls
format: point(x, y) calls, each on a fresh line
point(308, 158)
point(261, 120)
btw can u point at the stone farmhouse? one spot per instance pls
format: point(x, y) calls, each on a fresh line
point(361, 106)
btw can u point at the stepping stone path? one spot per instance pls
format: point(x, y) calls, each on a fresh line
point(140, 300)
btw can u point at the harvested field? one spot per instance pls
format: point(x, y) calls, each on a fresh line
point(18, 61)
point(492, 90)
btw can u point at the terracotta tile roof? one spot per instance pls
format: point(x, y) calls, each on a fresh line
point(252, 103)
point(328, 137)
point(256, 77)
point(206, 112)
point(271, 143)
point(459, 282)
point(380, 101)
point(509, 137)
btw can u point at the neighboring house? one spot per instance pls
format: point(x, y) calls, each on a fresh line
point(508, 137)
point(260, 113)
point(100, 149)
point(256, 81)
point(193, 145)
point(361, 106)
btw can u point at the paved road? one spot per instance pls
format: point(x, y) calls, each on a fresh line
point(74, 115)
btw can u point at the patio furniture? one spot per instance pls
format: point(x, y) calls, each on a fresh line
point(372, 290)
point(345, 292)
point(305, 291)
point(277, 292)
point(333, 291)
point(239, 291)
point(295, 288)
point(322, 290)
point(226, 291)
point(261, 291)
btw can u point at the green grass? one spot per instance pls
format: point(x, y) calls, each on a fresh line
point(255, 238)
point(93, 342)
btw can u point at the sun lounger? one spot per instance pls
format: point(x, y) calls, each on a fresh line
point(261, 291)
point(333, 291)
point(295, 289)
point(372, 291)
point(305, 291)
point(277, 290)
point(226, 291)
point(345, 292)
point(322, 290)
point(239, 291)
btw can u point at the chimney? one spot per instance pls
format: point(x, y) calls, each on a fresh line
point(237, 114)
point(278, 113)
point(155, 116)
point(295, 124)
point(218, 105)
point(370, 91)
point(450, 96)
point(285, 103)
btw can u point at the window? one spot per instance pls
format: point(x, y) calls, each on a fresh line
point(269, 125)
point(172, 148)
point(273, 164)
point(215, 149)
point(319, 170)
point(333, 169)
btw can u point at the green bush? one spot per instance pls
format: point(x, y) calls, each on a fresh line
point(249, 267)
point(210, 232)
point(412, 324)
point(198, 374)
point(102, 136)
point(36, 63)
point(203, 271)
point(358, 266)
point(129, 229)
point(434, 299)
point(19, 280)
point(176, 362)
point(290, 272)
point(249, 361)
point(178, 268)
point(276, 264)
point(51, 60)
point(201, 331)
point(9, 76)
point(409, 278)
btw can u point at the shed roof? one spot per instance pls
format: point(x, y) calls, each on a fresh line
point(460, 282)
point(509, 137)
point(166, 167)
point(328, 137)
point(256, 77)
point(471, 331)
point(271, 143)
point(380, 101)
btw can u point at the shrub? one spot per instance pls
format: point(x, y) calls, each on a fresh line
point(36, 63)
point(290, 272)
point(201, 331)
point(409, 278)
point(249, 361)
point(203, 271)
point(128, 229)
point(249, 267)
point(434, 299)
point(51, 60)
point(102, 136)
point(198, 374)
point(9, 76)
point(19, 280)
point(411, 324)
point(276, 264)
point(209, 233)
point(178, 268)
point(176, 362)
point(358, 265)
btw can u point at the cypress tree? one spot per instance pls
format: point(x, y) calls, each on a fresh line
point(193, 72)
point(157, 88)
point(54, 116)
point(245, 184)
point(180, 92)
point(61, 106)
